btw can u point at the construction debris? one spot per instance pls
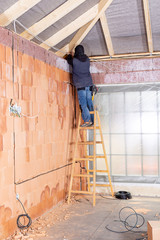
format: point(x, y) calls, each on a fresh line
point(39, 226)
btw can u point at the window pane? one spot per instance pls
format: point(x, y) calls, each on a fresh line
point(149, 122)
point(159, 122)
point(104, 123)
point(106, 139)
point(117, 144)
point(149, 101)
point(117, 123)
point(133, 123)
point(158, 96)
point(117, 102)
point(150, 146)
point(133, 144)
point(132, 101)
point(101, 103)
point(134, 165)
point(150, 165)
point(118, 165)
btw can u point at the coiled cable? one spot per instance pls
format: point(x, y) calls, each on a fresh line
point(26, 218)
point(129, 228)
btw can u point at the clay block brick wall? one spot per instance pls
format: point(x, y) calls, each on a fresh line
point(35, 149)
point(126, 71)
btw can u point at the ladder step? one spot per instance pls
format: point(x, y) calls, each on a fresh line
point(82, 175)
point(88, 143)
point(100, 171)
point(101, 185)
point(100, 156)
point(85, 192)
point(84, 159)
point(91, 127)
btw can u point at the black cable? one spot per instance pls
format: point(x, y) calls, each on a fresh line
point(81, 165)
point(25, 217)
point(123, 195)
point(142, 238)
point(129, 227)
point(24, 226)
point(41, 174)
point(105, 197)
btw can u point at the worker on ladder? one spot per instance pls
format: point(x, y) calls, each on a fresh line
point(82, 80)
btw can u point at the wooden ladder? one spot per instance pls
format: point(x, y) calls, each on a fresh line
point(91, 173)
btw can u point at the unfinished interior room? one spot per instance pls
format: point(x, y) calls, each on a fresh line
point(71, 170)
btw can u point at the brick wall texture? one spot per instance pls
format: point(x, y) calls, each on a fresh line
point(36, 148)
point(126, 71)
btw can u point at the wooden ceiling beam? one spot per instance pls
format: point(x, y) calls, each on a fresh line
point(125, 56)
point(51, 18)
point(76, 38)
point(106, 33)
point(148, 25)
point(71, 27)
point(82, 32)
point(16, 10)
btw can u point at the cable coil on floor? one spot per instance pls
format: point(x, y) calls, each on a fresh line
point(25, 217)
point(129, 228)
point(123, 195)
point(23, 226)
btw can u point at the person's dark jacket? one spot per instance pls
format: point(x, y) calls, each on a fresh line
point(80, 68)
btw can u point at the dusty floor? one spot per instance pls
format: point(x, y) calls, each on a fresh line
point(81, 221)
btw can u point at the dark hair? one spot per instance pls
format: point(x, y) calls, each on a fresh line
point(79, 50)
point(79, 53)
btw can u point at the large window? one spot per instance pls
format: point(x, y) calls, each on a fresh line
point(130, 120)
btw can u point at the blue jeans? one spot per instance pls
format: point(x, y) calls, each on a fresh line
point(85, 101)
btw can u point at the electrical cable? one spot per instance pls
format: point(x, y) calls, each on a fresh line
point(38, 38)
point(105, 197)
point(129, 228)
point(34, 116)
point(41, 174)
point(81, 165)
point(142, 238)
point(24, 216)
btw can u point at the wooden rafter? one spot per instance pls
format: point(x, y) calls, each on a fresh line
point(125, 56)
point(82, 32)
point(106, 33)
point(71, 27)
point(78, 36)
point(51, 18)
point(148, 25)
point(16, 10)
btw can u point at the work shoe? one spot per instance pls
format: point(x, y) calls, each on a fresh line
point(86, 124)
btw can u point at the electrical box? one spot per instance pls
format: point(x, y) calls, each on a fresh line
point(14, 109)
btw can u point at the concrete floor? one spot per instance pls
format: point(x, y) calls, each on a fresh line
point(85, 222)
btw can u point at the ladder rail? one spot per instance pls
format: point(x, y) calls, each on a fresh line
point(73, 162)
point(104, 151)
point(94, 162)
point(87, 162)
